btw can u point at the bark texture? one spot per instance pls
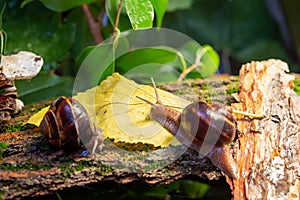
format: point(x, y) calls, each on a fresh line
point(267, 150)
point(29, 167)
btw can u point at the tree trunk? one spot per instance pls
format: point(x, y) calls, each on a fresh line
point(267, 150)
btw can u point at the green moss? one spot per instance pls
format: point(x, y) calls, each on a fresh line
point(297, 86)
point(135, 146)
point(105, 169)
point(18, 127)
point(3, 145)
point(70, 167)
point(234, 88)
point(28, 166)
point(138, 157)
point(2, 193)
point(156, 165)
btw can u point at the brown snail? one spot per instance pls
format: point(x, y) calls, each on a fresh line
point(67, 125)
point(204, 127)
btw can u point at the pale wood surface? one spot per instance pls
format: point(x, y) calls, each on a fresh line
point(267, 150)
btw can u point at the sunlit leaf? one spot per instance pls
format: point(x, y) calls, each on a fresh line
point(160, 7)
point(210, 60)
point(140, 13)
point(123, 116)
point(37, 118)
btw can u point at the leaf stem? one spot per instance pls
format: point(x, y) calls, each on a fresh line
point(118, 15)
point(116, 30)
point(197, 63)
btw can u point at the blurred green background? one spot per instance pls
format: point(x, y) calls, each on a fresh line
point(239, 31)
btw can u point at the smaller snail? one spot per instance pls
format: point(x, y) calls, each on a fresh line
point(67, 125)
point(207, 128)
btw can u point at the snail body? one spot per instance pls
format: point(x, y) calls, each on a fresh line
point(67, 125)
point(204, 127)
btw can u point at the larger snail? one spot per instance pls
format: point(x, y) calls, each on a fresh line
point(67, 125)
point(207, 128)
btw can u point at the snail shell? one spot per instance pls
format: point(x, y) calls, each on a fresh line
point(204, 127)
point(67, 125)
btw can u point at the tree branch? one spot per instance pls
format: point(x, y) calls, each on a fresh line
point(94, 24)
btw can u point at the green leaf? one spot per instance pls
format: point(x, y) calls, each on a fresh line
point(25, 2)
point(111, 7)
point(210, 60)
point(141, 64)
point(194, 189)
point(161, 191)
point(44, 86)
point(160, 7)
point(94, 64)
point(64, 5)
point(140, 13)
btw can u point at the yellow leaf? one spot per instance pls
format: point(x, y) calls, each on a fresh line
point(115, 108)
point(37, 118)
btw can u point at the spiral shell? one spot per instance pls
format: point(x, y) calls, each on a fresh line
point(67, 125)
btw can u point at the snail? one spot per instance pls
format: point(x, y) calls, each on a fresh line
point(67, 125)
point(207, 128)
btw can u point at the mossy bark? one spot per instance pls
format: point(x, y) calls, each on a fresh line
point(30, 167)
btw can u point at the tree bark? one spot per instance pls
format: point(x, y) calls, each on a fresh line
point(267, 150)
point(29, 167)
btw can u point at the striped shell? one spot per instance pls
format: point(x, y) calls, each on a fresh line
point(66, 125)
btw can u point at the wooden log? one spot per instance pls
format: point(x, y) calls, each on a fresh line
point(29, 167)
point(267, 150)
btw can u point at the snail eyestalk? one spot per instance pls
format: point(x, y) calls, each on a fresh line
point(145, 100)
point(158, 101)
point(255, 116)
